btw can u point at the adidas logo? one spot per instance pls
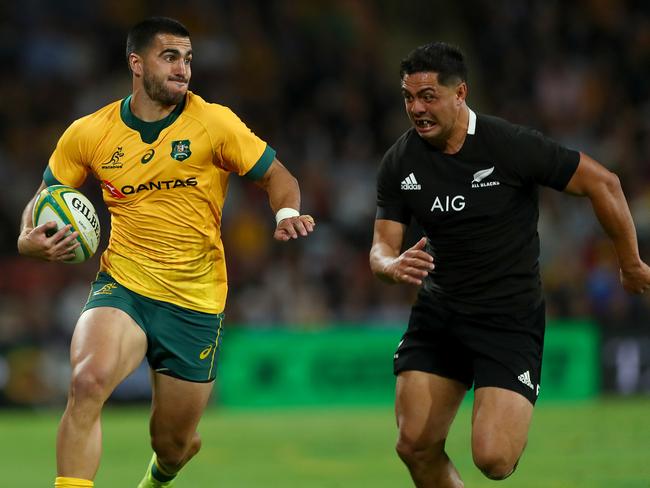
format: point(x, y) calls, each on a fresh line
point(410, 183)
point(525, 379)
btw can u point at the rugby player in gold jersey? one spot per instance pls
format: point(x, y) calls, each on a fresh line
point(163, 156)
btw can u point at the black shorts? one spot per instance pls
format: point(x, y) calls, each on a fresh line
point(491, 349)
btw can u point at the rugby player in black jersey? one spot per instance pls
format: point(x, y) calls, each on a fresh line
point(471, 182)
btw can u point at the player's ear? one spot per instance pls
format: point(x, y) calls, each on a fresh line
point(461, 92)
point(135, 63)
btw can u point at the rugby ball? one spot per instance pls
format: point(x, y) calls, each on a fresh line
point(66, 205)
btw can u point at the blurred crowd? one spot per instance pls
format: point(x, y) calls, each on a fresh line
point(319, 81)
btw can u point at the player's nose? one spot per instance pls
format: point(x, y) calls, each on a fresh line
point(417, 107)
point(181, 69)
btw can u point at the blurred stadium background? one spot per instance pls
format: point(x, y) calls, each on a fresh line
point(304, 390)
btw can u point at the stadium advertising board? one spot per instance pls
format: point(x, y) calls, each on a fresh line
point(353, 365)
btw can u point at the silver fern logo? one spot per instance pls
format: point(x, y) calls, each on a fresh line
point(479, 176)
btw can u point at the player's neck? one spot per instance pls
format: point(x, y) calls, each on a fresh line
point(459, 132)
point(148, 110)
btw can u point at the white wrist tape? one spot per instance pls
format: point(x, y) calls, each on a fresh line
point(285, 213)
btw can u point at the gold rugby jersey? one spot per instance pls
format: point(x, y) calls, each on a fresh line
point(164, 184)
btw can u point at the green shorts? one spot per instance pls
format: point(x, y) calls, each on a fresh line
point(181, 342)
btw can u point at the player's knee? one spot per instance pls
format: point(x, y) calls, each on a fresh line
point(195, 445)
point(496, 458)
point(173, 450)
point(414, 452)
point(88, 385)
point(169, 453)
point(493, 464)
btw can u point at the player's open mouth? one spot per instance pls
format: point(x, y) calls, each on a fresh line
point(424, 124)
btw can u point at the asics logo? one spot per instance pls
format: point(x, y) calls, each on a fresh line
point(206, 352)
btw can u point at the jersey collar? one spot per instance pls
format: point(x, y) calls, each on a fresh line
point(471, 124)
point(149, 131)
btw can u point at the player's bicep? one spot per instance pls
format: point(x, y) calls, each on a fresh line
point(589, 175)
point(275, 170)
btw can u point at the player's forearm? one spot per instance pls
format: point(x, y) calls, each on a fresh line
point(282, 188)
point(613, 213)
point(26, 226)
point(26, 223)
point(284, 192)
point(381, 258)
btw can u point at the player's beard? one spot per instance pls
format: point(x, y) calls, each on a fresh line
point(158, 92)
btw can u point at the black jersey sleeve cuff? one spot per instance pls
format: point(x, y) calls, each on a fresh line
point(565, 171)
point(393, 213)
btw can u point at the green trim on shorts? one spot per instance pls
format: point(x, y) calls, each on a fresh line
point(182, 343)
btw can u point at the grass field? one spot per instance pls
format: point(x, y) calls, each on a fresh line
point(590, 445)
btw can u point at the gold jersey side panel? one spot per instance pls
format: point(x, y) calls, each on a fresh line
point(165, 198)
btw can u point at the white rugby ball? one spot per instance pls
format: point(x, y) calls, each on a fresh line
point(66, 205)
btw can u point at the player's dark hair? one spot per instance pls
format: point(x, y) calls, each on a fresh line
point(141, 35)
point(438, 57)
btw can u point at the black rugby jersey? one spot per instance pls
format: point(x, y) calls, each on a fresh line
point(479, 209)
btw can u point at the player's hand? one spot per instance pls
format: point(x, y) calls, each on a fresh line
point(35, 242)
point(293, 227)
point(636, 279)
point(412, 266)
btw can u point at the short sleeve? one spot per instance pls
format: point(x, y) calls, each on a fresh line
point(540, 160)
point(390, 205)
point(68, 162)
point(236, 148)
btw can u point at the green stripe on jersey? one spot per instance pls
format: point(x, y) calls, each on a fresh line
point(262, 164)
point(48, 177)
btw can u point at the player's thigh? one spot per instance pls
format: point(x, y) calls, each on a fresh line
point(500, 423)
point(106, 344)
point(177, 406)
point(425, 407)
point(508, 351)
